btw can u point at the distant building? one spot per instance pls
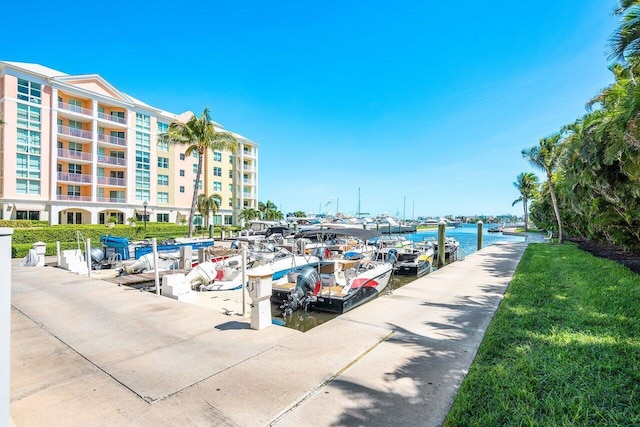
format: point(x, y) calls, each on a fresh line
point(76, 150)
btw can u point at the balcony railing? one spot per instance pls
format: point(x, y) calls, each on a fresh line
point(248, 195)
point(248, 168)
point(73, 154)
point(111, 200)
point(76, 198)
point(74, 177)
point(112, 139)
point(66, 130)
point(112, 160)
point(248, 153)
point(248, 181)
point(107, 180)
point(112, 118)
point(74, 108)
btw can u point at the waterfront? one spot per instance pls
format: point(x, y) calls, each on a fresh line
point(466, 235)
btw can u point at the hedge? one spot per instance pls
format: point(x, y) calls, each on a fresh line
point(26, 233)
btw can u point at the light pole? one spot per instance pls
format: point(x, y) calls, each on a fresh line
point(144, 216)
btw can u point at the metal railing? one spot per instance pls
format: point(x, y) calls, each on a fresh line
point(74, 108)
point(80, 133)
point(74, 177)
point(103, 137)
point(119, 161)
point(112, 118)
point(73, 154)
point(107, 180)
point(75, 198)
point(111, 199)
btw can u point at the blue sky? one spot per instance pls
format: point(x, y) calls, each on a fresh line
point(420, 107)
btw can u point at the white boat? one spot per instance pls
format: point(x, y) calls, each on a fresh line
point(227, 274)
point(336, 283)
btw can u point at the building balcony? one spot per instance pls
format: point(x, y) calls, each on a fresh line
point(74, 109)
point(74, 155)
point(248, 153)
point(77, 133)
point(117, 182)
point(248, 195)
point(115, 140)
point(113, 119)
point(111, 200)
point(249, 181)
point(74, 198)
point(248, 168)
point(117, 161)
point(74, 177)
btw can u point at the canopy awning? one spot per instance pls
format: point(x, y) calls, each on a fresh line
point(359, 233)
point(29, 206)
point(141, 212)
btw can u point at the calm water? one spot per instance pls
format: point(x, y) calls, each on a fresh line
point(466, 235)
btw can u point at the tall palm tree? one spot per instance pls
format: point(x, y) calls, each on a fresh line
point(206, 205)
point(199, 136)
point(527, 185)
point(625, 41)
point(545, 156)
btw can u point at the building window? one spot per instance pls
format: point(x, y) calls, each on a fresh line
point(231, 159)
point(142, 160)
point(32, 215)
point(181, 172)
point(217, 156)
point(181, 156)
point(199, 184)
point(163, 146)
point(217, 186)
point(29, 141)
point(163, 162)
point(162, 128)
point(182, 188)
point(142, 195)
point(74, 217)
point(143, 141)
point(29, 91)
point(195, 168)
point(231, 174)
point(77, 169)
point(27, 186)
point(163, 197)
point(162, 217)
point(228, 220)
point(143, 122)
point(143, 180)
point(28, 117)
point(73, 190)
point(217, 171)
point(163, 179)
point(230, 203)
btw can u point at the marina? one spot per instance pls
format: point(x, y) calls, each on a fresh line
point(141, 359)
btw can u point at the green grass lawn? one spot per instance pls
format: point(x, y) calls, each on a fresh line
point(563, 348)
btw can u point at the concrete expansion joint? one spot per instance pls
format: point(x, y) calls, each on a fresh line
point(326, 382)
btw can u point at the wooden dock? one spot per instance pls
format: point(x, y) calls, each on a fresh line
point(141, 279)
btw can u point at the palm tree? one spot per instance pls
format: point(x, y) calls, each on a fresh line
point(208, 204)
point(625, 41)
point(545, 156)
point(269, 211)
point(249, 214)
point(527, 185)
point(200, 136)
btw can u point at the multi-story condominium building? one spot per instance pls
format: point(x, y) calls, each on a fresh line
point(76, 150)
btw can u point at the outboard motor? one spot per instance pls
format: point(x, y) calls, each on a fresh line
point(235, 244)
point(392, 257)
point(308, 284)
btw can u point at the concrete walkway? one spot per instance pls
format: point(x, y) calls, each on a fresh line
point(86, 352)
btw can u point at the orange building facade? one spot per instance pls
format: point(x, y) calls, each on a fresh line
point(76, 150)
